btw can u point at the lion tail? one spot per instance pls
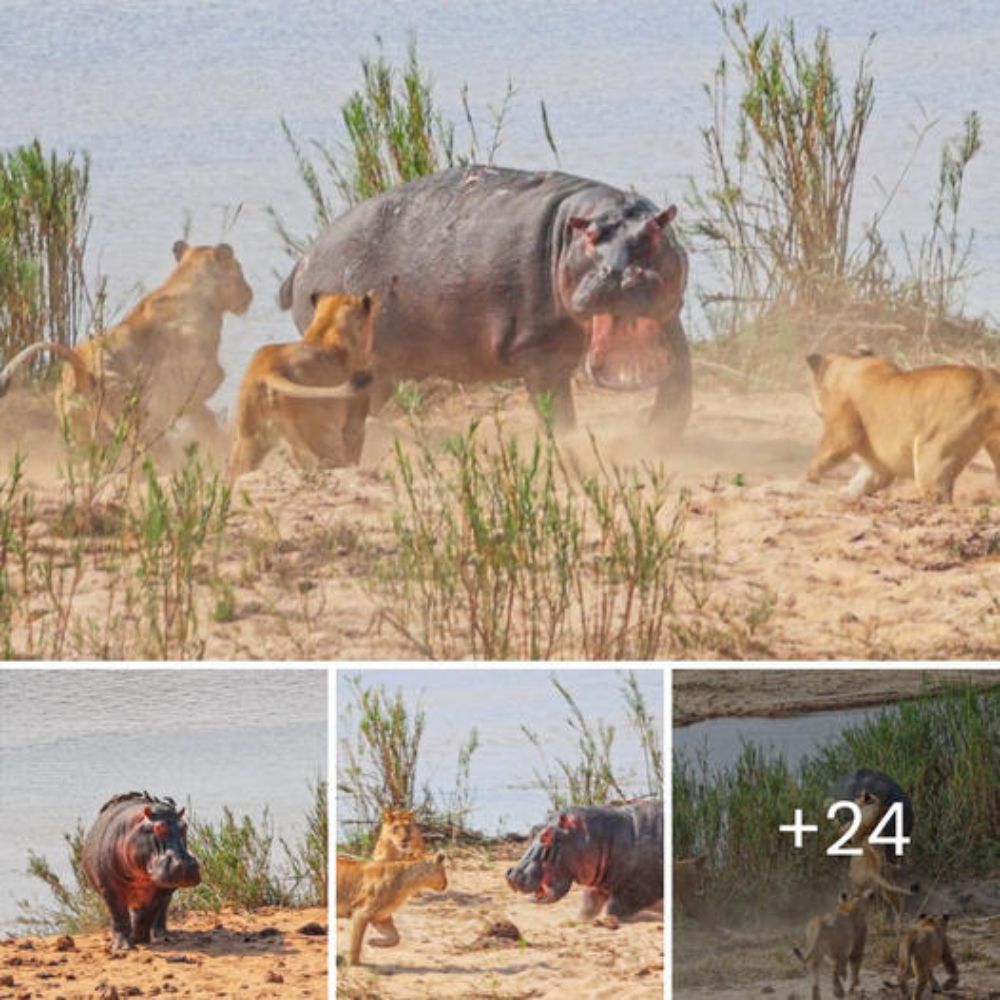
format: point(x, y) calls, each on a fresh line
point(354, 387)
point(22, 358)
point(285, 292)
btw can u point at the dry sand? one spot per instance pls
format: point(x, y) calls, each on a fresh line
point(445, 953)
point(230, 954)
point(712, 694)
point(800, 572)
point(741, 966)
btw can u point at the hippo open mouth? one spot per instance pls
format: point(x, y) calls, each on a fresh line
point(626, 353)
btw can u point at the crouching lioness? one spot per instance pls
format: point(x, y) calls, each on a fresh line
point(925, 424)
point(310, 392)
point(164, 355)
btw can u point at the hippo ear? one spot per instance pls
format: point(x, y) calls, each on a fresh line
point(180, 812)
point(666, 216)
point(578, 222)
point(547, 836)
point(180, 247)
point(148, 812)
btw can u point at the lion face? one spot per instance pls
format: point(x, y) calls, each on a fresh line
point(218, 271)
point(343, 323)
point(400, 829)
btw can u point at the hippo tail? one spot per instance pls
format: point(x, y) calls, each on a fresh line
point(285, 292)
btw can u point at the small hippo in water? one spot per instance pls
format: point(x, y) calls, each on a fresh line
point(485, 273)
point(614, 853)
point(135, 856)
point(849, 787)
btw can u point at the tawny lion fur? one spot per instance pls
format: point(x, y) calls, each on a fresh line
point(369, 892)
point(871, 869)
point(925, 424)
point(164, 354)
point(301, 391)
point(839, 936)
point(921, 949)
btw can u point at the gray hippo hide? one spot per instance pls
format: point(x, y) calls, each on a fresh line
point(614, 853)
point(484, 273)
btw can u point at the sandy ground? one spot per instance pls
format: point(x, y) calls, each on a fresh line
point(259, 954)
point(739, 966)
point(445, 950)
point(798, 571)
point(711, 694)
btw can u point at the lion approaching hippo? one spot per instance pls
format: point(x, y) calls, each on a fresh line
point(164, 354)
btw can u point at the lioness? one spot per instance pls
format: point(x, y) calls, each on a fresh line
point(164, 352)
point(925, 424)
point(841, 936)
point(369, 892)
point(297, 390)
point(689, 885)
point(870, 869)
point(922, 948)
point(399, 838)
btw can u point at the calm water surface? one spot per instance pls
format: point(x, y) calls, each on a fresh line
point(70, 739)
point(721, 741)
point(498, 703)
point(179, 102)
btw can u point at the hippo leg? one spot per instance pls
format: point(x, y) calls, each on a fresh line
point(556, 388)
point(672, 406)
point(389, 936)
point(142, 923)
point(158, 932)
point(121, 924)
point(593, 903)
point(354, 429)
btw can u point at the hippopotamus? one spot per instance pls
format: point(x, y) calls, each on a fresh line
point(135, 856)
point(615, 853)
point(485, 273)
point(851, 786)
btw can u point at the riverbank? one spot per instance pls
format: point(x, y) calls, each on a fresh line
point(712, 694)
point(270, 952)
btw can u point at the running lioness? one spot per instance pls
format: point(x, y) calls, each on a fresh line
point(164, 354)
point(925, 424)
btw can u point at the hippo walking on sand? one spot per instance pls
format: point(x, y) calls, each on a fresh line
point(486, 273)
point(136, 855)
point(615, 853)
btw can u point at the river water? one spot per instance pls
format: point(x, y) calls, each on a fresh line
point(720, 741)
point(498, 702)
point(179, 103)
point(70, 739)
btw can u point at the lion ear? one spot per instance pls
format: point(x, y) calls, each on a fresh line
point(180, 248)
point(314, 299)
point(368, 301)
point(224, 252)
point(814, 361)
